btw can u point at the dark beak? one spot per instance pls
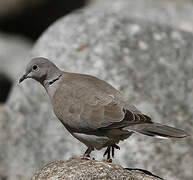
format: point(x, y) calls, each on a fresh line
point(23, 78)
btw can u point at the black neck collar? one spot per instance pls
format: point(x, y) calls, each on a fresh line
point(50, 82)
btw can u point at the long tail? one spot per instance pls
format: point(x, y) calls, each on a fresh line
point(157, 130)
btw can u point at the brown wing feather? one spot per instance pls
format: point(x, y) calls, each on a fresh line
point(85, 102)
point(130, 118)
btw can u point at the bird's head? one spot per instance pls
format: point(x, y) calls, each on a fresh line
point(40, 69)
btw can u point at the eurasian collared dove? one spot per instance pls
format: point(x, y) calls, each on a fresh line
point(92, 110)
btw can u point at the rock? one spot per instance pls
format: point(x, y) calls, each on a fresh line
point(174, 13)
point(1, 110)
point(8, 7)
point(30, 18)
point(5, 87)
point(14, 51)
point(150, 62)
point(89, 169)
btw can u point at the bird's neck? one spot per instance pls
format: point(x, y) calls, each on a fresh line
point(49, 82)
point(52, 83)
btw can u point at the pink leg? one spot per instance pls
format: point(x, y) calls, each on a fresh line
point(87, 153)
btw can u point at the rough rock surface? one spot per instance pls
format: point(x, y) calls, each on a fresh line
point(176, 13)
point(150, 62)
point(88, 170)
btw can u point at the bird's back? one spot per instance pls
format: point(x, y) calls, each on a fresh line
point(86, 101)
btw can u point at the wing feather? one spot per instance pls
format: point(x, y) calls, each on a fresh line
point(86, 103)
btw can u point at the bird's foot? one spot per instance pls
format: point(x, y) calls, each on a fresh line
point(109, 160)
point(107, 152)
point(86, 157)
point(114, 147)
point(110, 151)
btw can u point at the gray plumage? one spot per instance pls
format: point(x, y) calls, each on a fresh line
point(92, 110)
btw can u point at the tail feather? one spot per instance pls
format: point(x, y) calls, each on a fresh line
point(157, 130)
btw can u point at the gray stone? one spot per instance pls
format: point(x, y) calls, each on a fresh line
point(176, 13)
point(14, 52)
point(150, 62)
point(74, 169)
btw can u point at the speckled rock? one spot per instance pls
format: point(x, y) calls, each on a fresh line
point(88, 170)
point(152, 65)
point(175, 13)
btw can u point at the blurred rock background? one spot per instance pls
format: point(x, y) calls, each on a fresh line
point(142, 47)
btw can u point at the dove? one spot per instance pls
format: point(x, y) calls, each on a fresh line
point(92, 110)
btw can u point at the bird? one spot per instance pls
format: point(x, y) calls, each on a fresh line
point(92, 110)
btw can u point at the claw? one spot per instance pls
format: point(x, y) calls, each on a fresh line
point(86, 157)
point(109, 160)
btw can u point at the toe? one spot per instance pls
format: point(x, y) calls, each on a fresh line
point(109, 160)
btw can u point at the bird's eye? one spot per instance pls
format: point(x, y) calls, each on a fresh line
point(35, 67)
